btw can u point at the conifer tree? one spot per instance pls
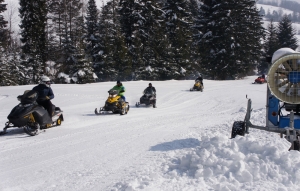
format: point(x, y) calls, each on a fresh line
point(3, 31)
point(71, 25)
point(228, 39)
point(91, 21)
point(111, 53)
point(271, 43)
point(178, 21)
point(151, 31)
point(286, 34)
point(129, 17)
point(33, 22)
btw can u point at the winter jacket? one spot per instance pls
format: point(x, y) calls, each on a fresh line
point(121, 89)
point(43, 91)
point(153, 89)
point(200, 79)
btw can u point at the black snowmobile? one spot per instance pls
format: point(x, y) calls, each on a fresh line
point(30, 116)
point(149, 98)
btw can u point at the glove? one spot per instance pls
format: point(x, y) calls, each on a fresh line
point(121, 91)
point(47, 98)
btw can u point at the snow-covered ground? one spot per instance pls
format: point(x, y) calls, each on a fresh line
point(182, 145)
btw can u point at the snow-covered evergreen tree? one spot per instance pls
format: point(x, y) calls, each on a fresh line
point(33, 22)
point(84, 71)
point(286, 34)
point(151, 35)
point(178, 21)
point(228, 39)
point(91, 21)
point(271, 43)
point(4, 33)
point(11, 71)
point(129, 11)
point(111, 53)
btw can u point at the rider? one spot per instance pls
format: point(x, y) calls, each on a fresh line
point(45, 94)
point(120, 88)
point(150, 87)
point(200, 79)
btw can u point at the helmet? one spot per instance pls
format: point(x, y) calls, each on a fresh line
point(150, 84)
point(45, 80)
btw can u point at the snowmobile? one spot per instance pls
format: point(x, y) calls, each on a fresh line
point(260, 80)
point(149, 98)
point(30, 116)
point(114, 103)
point(283, 100)
point(197, 86)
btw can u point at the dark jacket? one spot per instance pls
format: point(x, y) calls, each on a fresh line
point(43, 91)
point(200, 79)
point(153, 89)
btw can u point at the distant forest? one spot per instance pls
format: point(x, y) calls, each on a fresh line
point(74, 42)
point(277, 15)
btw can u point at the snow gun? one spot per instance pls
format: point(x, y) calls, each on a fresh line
point(283, 99)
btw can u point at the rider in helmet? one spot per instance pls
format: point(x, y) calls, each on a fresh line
point(45, 94)
point(151, 88)
point(120, 88)
point(200, 79)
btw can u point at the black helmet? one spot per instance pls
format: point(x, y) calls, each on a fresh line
point(150, 84)
point(118, 82)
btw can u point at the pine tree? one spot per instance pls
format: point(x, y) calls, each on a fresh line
point(129, 17)
point(111, 53)
point(178, 21)
point(151, 32)
point(33, 23)
point(71, 24)
point(248, 35)
point(91, 28)
point(286, 34)
point(3, 24)
point(11, 70)
point(228, 39)
point(271, 43)
point(84, 71)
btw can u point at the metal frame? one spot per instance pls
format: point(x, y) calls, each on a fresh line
point(291, 133)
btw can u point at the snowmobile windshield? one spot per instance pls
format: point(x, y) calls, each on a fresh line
point(113, 93)
point(149, 92)
point(28, 97)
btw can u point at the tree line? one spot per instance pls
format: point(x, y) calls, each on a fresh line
point(74, 42)
point(277, 15)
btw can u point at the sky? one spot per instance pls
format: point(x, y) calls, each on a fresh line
point(182, 145)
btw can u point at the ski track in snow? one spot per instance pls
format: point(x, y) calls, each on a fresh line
point(183, 144)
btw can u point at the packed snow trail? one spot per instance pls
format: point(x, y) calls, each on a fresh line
point(183, 144)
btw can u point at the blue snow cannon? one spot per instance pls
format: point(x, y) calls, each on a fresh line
point(283, 100)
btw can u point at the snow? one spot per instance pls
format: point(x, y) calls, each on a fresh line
point(281, 52)
point(182, 145)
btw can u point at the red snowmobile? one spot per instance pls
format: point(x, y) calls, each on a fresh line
point(260, 80)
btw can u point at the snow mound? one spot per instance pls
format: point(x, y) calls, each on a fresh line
point(220, 163)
